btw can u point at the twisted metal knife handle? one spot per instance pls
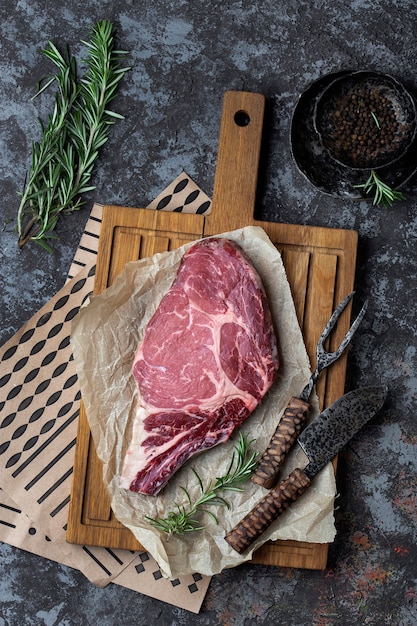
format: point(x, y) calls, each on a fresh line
point(267, 510)
point(282, 440)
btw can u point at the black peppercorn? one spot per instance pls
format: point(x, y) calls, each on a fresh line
point(359, 126)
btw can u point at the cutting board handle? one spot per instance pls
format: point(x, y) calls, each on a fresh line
point(239, 150)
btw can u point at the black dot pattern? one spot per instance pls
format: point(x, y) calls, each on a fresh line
point(183, 196)
point(191, 584)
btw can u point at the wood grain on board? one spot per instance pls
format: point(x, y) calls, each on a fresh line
point(320, 266)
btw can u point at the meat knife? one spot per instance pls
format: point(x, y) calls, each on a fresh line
point(320, 441)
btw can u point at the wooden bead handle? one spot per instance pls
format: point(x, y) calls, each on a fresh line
point(282, 440)
point(267, 511)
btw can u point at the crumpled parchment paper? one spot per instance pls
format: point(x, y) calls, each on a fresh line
point(105, 337)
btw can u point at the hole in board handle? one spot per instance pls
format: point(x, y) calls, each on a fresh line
point(242, 118)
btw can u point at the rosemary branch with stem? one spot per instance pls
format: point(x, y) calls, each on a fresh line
point(382, 193)
point(183, 518)
point(64, 159)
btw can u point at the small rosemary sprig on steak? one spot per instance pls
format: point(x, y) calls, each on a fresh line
point(63, 160)
point(183, 518)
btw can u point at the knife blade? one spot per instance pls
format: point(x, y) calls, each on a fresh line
point(320, 441)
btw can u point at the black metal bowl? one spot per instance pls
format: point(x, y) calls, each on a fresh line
point(365, 120)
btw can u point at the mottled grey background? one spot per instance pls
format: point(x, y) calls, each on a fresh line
point(184, 55)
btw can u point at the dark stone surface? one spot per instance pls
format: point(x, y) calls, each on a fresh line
point(184, 55)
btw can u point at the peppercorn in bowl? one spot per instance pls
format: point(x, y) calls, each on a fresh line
point(366, 120)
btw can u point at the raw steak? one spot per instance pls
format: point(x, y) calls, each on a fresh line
point(207, 358)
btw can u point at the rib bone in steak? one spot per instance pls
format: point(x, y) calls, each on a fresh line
point(207, 358)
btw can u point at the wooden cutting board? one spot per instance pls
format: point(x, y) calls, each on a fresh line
point(320, 265)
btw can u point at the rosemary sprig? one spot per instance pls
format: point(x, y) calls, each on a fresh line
point(38, 196)
point(382, 193)
point(183, 518)
point(376, 120)
point(64, 159)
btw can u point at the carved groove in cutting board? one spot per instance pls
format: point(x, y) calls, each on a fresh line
point(141, 234)
point(320, 265)
point(96, 502)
